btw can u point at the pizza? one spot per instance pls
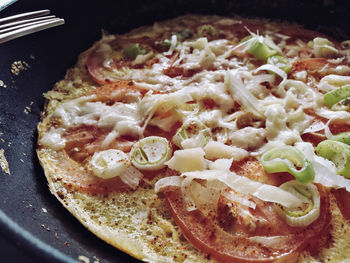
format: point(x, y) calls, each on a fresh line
point(206, 139)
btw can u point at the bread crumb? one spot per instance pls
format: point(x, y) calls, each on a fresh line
point(18, 66)
point(45, 227)
point(84, 259)
point(27, 109)
point(2, 84)
point(3, 162)
point(67, 243)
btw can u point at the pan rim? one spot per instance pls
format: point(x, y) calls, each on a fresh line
point(30, 243)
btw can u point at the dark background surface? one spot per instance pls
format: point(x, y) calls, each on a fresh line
point(24, 193)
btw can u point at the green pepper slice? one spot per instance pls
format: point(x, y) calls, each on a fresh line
point(288, 159)
point(338, 153)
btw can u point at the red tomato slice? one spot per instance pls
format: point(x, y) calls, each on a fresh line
point(229, 239)
point(311, 65)
point(83, 141)
point(72, 174)
point(99, 57)
point(95, 67)
point(343, 201)
point(206, 234)
point(316, 137)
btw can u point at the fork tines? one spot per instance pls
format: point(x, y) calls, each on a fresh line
point(26, 23)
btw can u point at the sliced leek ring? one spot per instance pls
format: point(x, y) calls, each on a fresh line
point(343, 137)
point(337, 97)
point(186, 110)
point(150, 153)
point(338, 153)
point(310, 197)
point(108, 164)
point(280, 62)
point(260, 50)
point(192, 129)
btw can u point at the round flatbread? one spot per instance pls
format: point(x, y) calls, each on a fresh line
point(206, 139)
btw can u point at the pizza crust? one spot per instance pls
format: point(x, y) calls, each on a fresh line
point(138, 222)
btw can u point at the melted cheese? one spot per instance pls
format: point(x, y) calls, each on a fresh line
point(53, 139)
point(237, 89)
point(228, 80)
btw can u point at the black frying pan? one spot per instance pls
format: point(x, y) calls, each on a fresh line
point(28, 233)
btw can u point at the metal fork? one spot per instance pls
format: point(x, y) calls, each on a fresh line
point(26, 23)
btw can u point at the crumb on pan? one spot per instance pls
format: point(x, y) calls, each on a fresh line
point(18, 66)
point(3, 162)
point(84, 259)
point(2, 84)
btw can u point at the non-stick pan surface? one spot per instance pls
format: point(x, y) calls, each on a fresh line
point(31, 219)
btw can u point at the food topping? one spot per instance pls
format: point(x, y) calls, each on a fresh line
point(228, 115)
point(110, 163)
point(310, 209)
point(288, 159)
point(150, 153)
point(338, 99)
point(338, 153)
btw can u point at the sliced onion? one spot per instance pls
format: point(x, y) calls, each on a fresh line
point(245, 98)
point(215, 184)
point(245, 185)
point(315, 127)
point(205, 197)
point(173, 43)
point(168, 181)
point(131, 177)
point(327, 131)
point(274, 69)
point(238, 199)
point(334, 115)
point(187, 195)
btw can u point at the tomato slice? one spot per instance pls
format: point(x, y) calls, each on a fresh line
point(229, 238)
point(311, 65)
point(77, 177)
point(316, 137)
point(277, 241)
point(343, 201)
point(84, 140)
point(105, 65)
